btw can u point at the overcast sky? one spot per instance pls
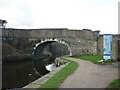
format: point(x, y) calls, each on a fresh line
point(73, 14)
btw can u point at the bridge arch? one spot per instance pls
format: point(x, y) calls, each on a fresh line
point(54, 40)
point(46, 51)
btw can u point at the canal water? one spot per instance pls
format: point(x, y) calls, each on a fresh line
point(18, 74)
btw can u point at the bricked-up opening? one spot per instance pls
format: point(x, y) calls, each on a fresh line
point(45, 53)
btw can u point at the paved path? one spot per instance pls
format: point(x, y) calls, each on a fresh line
point(89, 75)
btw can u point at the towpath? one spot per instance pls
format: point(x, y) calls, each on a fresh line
point(89, 75)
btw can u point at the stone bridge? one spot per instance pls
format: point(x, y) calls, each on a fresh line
point(61, 41)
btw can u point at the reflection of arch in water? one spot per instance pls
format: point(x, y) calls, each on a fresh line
point(46, 51)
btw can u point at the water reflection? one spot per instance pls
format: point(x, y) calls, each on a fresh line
point(51, 67)
point(18, 74)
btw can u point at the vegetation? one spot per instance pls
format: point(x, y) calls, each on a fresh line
point(60, 76)
point(114, 84)
point(94, 58)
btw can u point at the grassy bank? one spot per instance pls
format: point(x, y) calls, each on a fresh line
point(94, 59)
point(114, 84)
point(59, 77)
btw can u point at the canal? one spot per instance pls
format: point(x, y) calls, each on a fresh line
point(18, 74)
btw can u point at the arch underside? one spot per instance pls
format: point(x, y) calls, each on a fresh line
point(45, 53)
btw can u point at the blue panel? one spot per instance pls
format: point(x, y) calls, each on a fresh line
point(107, 46)
point(107, 54)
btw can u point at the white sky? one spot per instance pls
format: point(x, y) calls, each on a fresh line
point(73, 14)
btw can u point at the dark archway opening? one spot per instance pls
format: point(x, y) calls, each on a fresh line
point(45, 54)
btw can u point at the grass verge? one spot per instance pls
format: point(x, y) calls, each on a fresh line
point(93, 58)
point(114, 84)
point(60, 76)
